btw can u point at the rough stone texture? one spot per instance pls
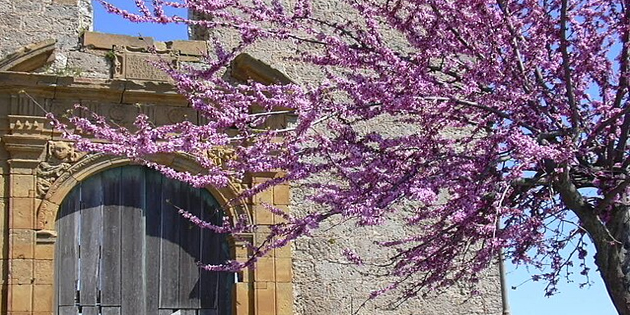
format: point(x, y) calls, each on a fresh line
point(324, 282)
point(37, 20)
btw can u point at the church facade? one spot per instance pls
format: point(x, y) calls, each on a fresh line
point(94, 234)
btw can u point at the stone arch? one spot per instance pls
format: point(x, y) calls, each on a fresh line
point(94, 163)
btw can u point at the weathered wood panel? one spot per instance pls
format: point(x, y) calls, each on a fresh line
point(110, 252)
point(90, 241)
point(132, 248)
point(68, 251)
point(68, 310)
point(110, 311)
point(189, 248)
point(153, 211)
point(89, 310)
point(138, 255)
point(210, 254)
point(169, 248)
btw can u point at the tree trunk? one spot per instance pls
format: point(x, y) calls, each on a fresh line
point(611, 240)
point(613, 259)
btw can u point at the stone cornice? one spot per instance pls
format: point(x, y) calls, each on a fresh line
point(71, 88)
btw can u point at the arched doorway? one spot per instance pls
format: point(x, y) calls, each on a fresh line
point(122, 248)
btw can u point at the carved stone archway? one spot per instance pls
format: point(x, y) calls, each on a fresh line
point(65, 167)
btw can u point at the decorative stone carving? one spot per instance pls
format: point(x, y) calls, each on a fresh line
point(136, 64)
point(27, 124)
point(117, 113)
point(60, 156)
point(64, 151)
point(45, 236)
point(220, 155)
point(176, 115)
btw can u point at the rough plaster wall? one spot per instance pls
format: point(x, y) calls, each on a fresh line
point(323, 285)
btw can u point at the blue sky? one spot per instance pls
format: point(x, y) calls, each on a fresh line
point(527, 299)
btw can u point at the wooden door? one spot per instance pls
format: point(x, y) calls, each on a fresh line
point(123, 249)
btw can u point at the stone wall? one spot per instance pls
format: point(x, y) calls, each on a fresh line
point(306, 280)
point(322, 282)
point(24, 22)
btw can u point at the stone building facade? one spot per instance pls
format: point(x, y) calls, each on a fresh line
point(49, 61)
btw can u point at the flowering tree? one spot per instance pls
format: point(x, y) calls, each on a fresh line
point(516, 114)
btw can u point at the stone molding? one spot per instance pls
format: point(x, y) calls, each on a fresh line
point(29, 57)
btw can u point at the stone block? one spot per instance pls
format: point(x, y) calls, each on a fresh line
point(43, 298)
point(4, 224)
point(281, 195)
point(264, 270)
point(190, 47)
point(283, 252)
point(21, 298)
point(22, 185)
point(45, 251)
point(22, 243)
point(262, 215)
point(43, 271)
point(29, 7)
point(284, 267)
point(284, 298)
point(278, 218)
point(266, 300)
point(265, 196)
point(108, 41)
point(65, 2)
point(21, 271)
point(243, 298)
point(241, 252)
point(21, 213)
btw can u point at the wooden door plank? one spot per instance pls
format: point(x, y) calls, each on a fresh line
point(90, 239)
point(132, 250)
point(89, 310)
point(170, 225)
point(110, 310)
point(111, 244)
point(153, 212)
point(210, 253)
point(67, 252)
point(189, 243)
point(68, 310)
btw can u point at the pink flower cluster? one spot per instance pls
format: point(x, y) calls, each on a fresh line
point(509, 110)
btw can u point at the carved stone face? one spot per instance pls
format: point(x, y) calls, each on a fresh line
point(61, 150)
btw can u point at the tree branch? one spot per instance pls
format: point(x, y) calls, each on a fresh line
point(566, 65)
